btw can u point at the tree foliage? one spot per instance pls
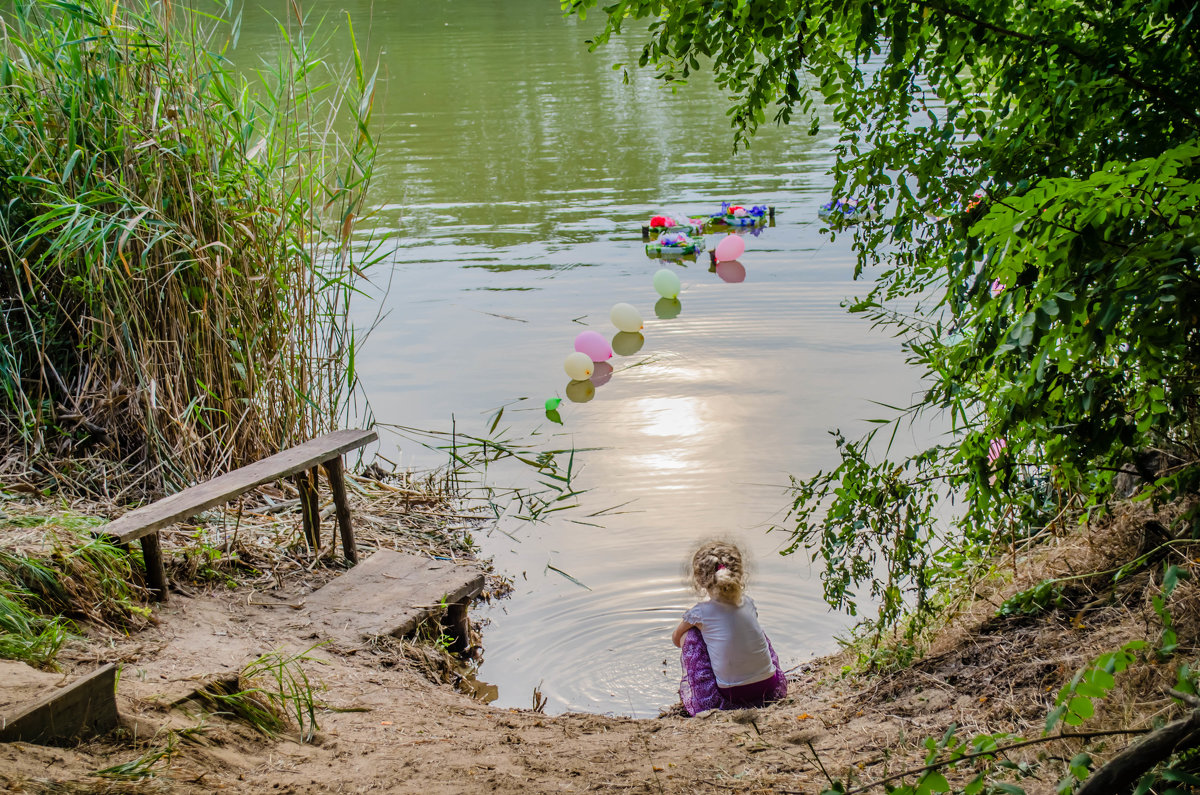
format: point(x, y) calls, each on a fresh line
point(1038, 163)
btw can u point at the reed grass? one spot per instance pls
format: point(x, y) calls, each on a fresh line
point(178, 243)
point(274, 690)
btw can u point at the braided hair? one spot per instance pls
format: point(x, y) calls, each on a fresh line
point(719, 570)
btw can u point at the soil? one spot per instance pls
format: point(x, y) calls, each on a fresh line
point(387, 726)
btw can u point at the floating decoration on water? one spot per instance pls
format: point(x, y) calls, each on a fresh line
point(603, 373)
point(741, 215)
point(579, 366)
point(666, 223)
point(553, 403)
point(668, 308)
point(627, 343)
point(666, 283)
point(847, 211)
point(594, 346)
point(581, 391)
point(732, 271)
point(730, 248)
point(674, 244)
point(626, 318)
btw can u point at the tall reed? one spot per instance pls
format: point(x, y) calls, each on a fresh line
point(178, 243)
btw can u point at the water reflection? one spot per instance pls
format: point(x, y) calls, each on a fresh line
point(580, 391)
point(627, 343)
point(732, 271)
point(602, 374)
point(667, 308)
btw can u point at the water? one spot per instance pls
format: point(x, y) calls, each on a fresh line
point(516, 170)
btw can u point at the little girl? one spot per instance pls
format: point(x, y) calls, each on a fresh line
point(727, 660)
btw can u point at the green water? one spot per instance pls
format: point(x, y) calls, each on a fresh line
point(516, 169)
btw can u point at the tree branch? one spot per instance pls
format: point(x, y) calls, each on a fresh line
point(1169, 97)
point(1126, 767)
point(1000, 749)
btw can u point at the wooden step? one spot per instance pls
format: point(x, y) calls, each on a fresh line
point(42, 712)
point(391, 593)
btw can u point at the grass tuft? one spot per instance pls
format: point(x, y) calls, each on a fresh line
point(273, 693)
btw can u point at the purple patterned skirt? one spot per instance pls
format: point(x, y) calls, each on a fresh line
point(699, 689)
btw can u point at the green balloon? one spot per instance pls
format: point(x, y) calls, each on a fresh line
point(668, 308)
point(627, 343)
point(552, 403)
point(666, 283)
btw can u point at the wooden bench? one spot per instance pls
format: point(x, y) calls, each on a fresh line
point(301, 462)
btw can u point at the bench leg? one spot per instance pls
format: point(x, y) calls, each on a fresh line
point(306, 485)
point(336, 470)
point(156, 573)
point(456, 625)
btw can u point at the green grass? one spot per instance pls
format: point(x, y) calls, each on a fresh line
point(178, 243)
point(274, 692)
point(74, 576)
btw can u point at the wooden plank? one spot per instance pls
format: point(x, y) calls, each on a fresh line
point(84, 708)
point(217, 491)
point(337, 486)
point(389, 593)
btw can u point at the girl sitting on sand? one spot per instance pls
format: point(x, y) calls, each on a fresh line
point(727, 660)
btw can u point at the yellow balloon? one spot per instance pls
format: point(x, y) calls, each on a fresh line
point(626, 318)
point(579, 366)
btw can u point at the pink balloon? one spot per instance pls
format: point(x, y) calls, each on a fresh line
point(732, 271)
point(730, 248)
point(594, 345)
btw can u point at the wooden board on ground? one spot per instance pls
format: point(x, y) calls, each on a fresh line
point(389, 593)
point(84, 708)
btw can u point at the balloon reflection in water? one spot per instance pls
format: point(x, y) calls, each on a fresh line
point(627, 343)
point(668, 308)
point(581, 391)
point(604, 371)
point(732, 271)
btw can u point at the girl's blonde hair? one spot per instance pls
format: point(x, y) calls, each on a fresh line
point(719, 569)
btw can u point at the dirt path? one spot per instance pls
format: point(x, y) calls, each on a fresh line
point(387, 728)
point(384, 726)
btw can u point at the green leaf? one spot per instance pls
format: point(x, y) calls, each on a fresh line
point(932, 781)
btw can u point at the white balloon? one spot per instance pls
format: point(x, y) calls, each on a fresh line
point(626, 318)
point(579, 366)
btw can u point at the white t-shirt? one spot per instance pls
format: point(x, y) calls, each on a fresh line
point(736, 643)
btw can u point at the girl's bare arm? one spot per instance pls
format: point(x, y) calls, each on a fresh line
point(680, 631)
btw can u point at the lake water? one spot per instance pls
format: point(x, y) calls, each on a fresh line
point(516, 169)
